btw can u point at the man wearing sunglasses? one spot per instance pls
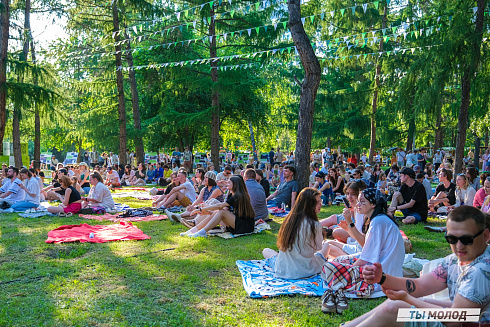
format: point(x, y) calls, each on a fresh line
point(466, 274)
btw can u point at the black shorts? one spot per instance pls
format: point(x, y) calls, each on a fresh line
point(242, 226)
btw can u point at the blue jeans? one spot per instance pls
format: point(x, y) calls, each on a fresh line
point(24, 205)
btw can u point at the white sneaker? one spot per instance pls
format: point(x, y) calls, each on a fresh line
point(185, 233)
point(201, 233)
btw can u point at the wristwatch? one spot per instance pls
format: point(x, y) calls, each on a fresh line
point(383, 278)
point(352, 225)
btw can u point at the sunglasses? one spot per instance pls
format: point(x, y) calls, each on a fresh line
point(465, 239)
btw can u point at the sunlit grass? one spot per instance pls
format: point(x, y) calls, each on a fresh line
point(165, 281)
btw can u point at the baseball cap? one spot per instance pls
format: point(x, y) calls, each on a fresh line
point(416, 167)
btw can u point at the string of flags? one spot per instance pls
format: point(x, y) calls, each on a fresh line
point(267, 53)
point(166, 31)
point(350, 40)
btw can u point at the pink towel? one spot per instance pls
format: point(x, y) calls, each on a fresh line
point(100, 233)
point(110, 217)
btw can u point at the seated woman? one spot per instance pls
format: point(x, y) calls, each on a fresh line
point(482, 193)
point(76, 185)
point(198, 180)
point(237, 213)
point(72, 202)
point(99, 195)
point(84, 177)
point(128, 176)
point(276, 180)
point(337, 182)
point(32, 191)
point(55, 192)
point(351, 190)
point(465, 193)
point(324, 187)
point(382, 184)
point(383, 243)
point(140, 175)
point(301, 252)
point(209, 195)
point(150, 174)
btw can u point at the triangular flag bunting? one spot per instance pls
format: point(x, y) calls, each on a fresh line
point(342, 11)
point(257, 29)
point(353, 10)
point(376, 4)
point(303, 21)
point(312, 18)
point(364, 7)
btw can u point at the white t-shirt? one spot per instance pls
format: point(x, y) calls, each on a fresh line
point(359, 221)
point(400, 156)
point(32, 186)
point(101, 193)
point(189, 191)
point(40, 182)
point(113, 177)
point(221, 177)
point(384, 244)
point(71, 173)
point(16, 193)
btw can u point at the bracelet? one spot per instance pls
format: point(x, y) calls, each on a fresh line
point(383, 278)
point(352, 225)
point(396, 208)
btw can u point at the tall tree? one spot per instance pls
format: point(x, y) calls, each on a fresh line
point(4, 41)
point(120, 86)
point(309, 88)
point(467, 78)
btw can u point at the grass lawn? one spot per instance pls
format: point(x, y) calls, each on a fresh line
point(166, 281)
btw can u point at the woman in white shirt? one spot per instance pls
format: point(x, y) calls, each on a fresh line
point(32, 191)
point(382, 243)
point(300, 240)
point(99, 195)
point(465, 193)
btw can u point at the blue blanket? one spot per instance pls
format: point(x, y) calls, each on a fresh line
point(259, 281)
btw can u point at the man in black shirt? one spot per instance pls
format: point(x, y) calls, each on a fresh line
point(445, 194)
point(411, 200)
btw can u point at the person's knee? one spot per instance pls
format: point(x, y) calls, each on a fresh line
point(339, 234)
point(390, 307)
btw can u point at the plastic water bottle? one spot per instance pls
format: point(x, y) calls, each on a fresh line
point(283, 206)
point(91, 235)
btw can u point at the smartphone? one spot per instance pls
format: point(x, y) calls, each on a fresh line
point(347, 204)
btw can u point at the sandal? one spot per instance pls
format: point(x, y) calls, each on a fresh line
point(188, 223)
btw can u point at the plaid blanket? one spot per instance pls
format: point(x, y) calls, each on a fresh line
point(342, 274)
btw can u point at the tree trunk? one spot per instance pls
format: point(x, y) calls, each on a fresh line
point(4, 39)
point(80, 149)
point(309, 89)
point(17, 109)
point(486, 139)
point(120, 88)
point(16, 137)
point(476, 160)
point(468, 76)
point(252, 137)
point(372, 143)
point(37, 117)
point(329, 142)
point(215, 123)
point(411, 133)
point(138, 138)
point(439, 131)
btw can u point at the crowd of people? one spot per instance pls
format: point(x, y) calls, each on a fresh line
point(360, 248)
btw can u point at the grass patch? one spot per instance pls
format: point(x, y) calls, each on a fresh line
point(135, 283)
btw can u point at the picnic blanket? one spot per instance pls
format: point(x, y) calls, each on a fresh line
point(258, 228)
point(275, 211)
point(259, 281)
point(113, 218)
point(96, 234)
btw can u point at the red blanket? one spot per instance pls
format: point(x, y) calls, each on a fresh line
point(100, 233)
point(113, 218)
